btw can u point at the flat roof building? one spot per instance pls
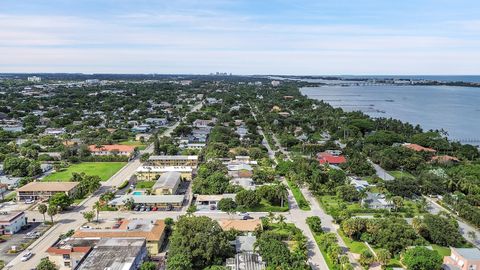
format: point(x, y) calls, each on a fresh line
point(153, 231)
point(150, 173)
point(150, 200)
point(116, 254)
point(191, 161)
point(45, 190)
point(12, 222)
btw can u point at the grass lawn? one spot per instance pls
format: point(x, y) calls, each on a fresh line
point(137, 144)
point(354, 246)
point(103, 169)
point(399, 174)
point(327, 258)
point(265, 206)
point(144, 184)
point(297, 193)
point(443, 251)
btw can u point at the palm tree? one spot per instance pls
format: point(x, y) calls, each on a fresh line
point(281, 220)
point(52, 211)
point(42, 209)
point(97, 207)
point(271, 216)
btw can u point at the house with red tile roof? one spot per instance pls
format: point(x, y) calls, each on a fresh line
point(444, 159)
point(112, 149)
point(418, 148)
point(330, 158)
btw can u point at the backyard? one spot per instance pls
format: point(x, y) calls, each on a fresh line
point(104, 170)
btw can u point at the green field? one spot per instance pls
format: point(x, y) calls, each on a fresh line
point(103, 169)
point(144, 184)
point(265, 206)
point(400, 174)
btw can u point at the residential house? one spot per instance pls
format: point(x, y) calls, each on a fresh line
point(418, 148)
point(376, 201)
point(358, 183)
point(158, 122)
point(246, 261)
point(329, 158)
point(210, 202)
point(202, 123)
point(462, 259)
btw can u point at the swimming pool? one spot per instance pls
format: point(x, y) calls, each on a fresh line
point(136, 193)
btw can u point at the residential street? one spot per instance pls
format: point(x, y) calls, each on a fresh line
point(435, 208)
point(74, 218)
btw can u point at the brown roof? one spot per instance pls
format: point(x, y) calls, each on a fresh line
point(418, 148)
point(48, 186)
point(240, 225)
point(111, 147)
point(445, 158)
point(153, 235)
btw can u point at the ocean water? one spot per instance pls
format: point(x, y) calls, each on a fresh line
point(455, 109)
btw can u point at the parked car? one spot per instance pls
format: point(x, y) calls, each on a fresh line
point(246, 217)
point(26, 256)
point(169, 207)
point(154, 208)
point(137, 208)
point(29, 201)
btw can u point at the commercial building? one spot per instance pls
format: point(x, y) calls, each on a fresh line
point(462, 259)
point(169, 161)
point(115, 254)
point(153, 231)
point(113, 149)
point(45, 190)
point(159, 201)
point(11, 223)
point(69, 253)
point(150, 173)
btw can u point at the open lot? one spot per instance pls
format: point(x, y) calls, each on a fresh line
point(104, 170)
point(137, 144)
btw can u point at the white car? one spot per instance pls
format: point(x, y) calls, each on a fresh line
point(26, 256)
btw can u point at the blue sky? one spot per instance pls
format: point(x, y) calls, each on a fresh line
point(310, 37)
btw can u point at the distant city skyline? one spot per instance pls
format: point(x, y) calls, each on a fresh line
point(424, 37)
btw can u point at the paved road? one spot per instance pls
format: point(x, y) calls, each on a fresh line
point(380, 172)
point(435, 208)
point(74, 218)
point(298, 216)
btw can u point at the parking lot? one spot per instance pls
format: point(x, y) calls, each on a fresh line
point(20, 239)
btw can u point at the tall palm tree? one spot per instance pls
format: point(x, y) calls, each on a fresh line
point(97, 207)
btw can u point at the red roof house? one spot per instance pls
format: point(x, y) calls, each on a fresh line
point(329, 158)
point(418, 148)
